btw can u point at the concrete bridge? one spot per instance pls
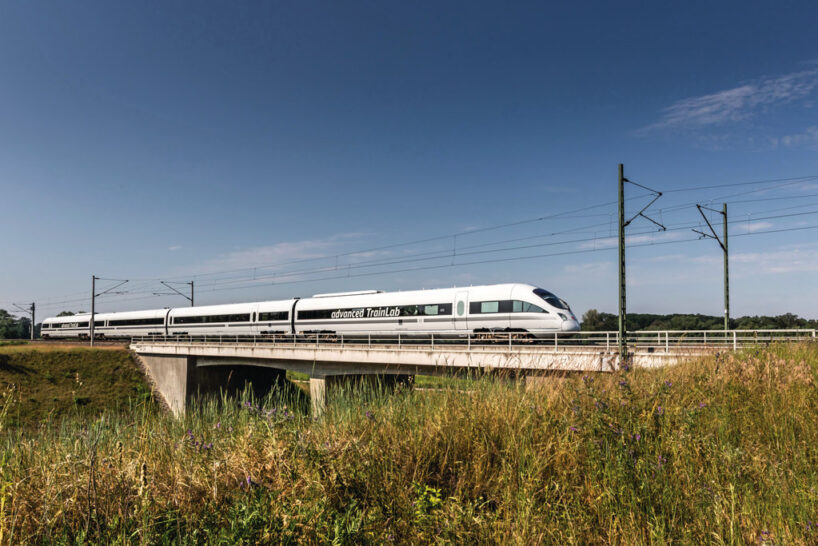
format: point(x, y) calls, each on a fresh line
point(184, 367)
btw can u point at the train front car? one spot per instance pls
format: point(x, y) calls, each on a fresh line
point(539, 312)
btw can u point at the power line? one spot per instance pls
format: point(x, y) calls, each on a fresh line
point(806, 178)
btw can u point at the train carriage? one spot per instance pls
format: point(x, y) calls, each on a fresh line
point(477, 309)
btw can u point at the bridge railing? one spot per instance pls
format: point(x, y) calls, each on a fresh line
point(649, 340)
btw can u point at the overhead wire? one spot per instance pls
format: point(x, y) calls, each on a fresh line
point(217, 284)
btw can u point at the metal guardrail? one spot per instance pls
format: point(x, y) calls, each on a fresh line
point(650, 341)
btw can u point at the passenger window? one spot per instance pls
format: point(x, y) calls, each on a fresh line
point(430, 310)
point(489, 307)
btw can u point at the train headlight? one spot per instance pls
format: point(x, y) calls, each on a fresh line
point(563, 316)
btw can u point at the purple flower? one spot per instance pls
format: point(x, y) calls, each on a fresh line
point(219, 425)
point(668, 384)
point(370, 416)
point(637, 436)
point(573, 429)
point(623, 383)
point(626, 367)
point(702, 405)
point(660, 410)
point(661, 461)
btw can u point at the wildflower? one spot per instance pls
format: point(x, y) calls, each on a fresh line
point(702, 405)
point(370, 416)
point(623, 383)
point(219, 425)
point(662, 460)
point(637, 436)
point(668, 384)
point(573, 429)
point(660, 410)
point(626, 367)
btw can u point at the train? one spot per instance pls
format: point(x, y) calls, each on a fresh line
point(489, 309)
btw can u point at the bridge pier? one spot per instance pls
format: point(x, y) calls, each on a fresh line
point(320, 384)
point(179, 378)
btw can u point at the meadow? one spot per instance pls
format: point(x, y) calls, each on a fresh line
point(722, 450)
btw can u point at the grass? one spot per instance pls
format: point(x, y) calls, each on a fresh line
point(51, 382)
point(723, 450)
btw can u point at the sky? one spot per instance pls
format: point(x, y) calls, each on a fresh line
point(269, 150)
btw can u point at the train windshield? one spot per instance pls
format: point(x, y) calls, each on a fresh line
point(551, 299)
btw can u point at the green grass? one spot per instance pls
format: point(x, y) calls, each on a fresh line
point(50, 383)
point(722, 450)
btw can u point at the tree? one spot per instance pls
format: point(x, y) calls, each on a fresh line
point(8, 325)
point(594, 321)
point(65, 314)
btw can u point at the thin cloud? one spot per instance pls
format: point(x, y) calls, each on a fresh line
point(174, 248)
point(312, 252)
point(786, 261)
point(808, 137)
point(754, 226)
point(736, 104)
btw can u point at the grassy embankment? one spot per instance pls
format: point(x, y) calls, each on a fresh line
point(52, 381)
point(723, 450)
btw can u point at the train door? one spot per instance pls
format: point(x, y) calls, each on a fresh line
point(461, 308)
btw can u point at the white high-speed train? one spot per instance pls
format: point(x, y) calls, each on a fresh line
point(477, 309)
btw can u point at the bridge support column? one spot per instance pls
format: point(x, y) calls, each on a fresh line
point(179, 379)
point(321, 384)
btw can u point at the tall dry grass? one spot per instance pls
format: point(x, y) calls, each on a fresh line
point(723, 450)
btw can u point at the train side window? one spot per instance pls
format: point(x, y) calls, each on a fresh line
point(489, 306)
point(525, 307)
point(430, 309)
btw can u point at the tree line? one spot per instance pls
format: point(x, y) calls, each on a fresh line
point(12, 327)
point(596, 321)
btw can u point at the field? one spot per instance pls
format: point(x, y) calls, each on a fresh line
point(721, 450)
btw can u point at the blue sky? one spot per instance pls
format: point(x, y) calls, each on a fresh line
point(175, 141)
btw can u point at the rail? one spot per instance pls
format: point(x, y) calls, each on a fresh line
point(648, 340)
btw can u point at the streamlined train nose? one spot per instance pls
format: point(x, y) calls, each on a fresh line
point(570, 325)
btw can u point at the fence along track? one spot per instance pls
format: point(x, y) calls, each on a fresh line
point(649, 341)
